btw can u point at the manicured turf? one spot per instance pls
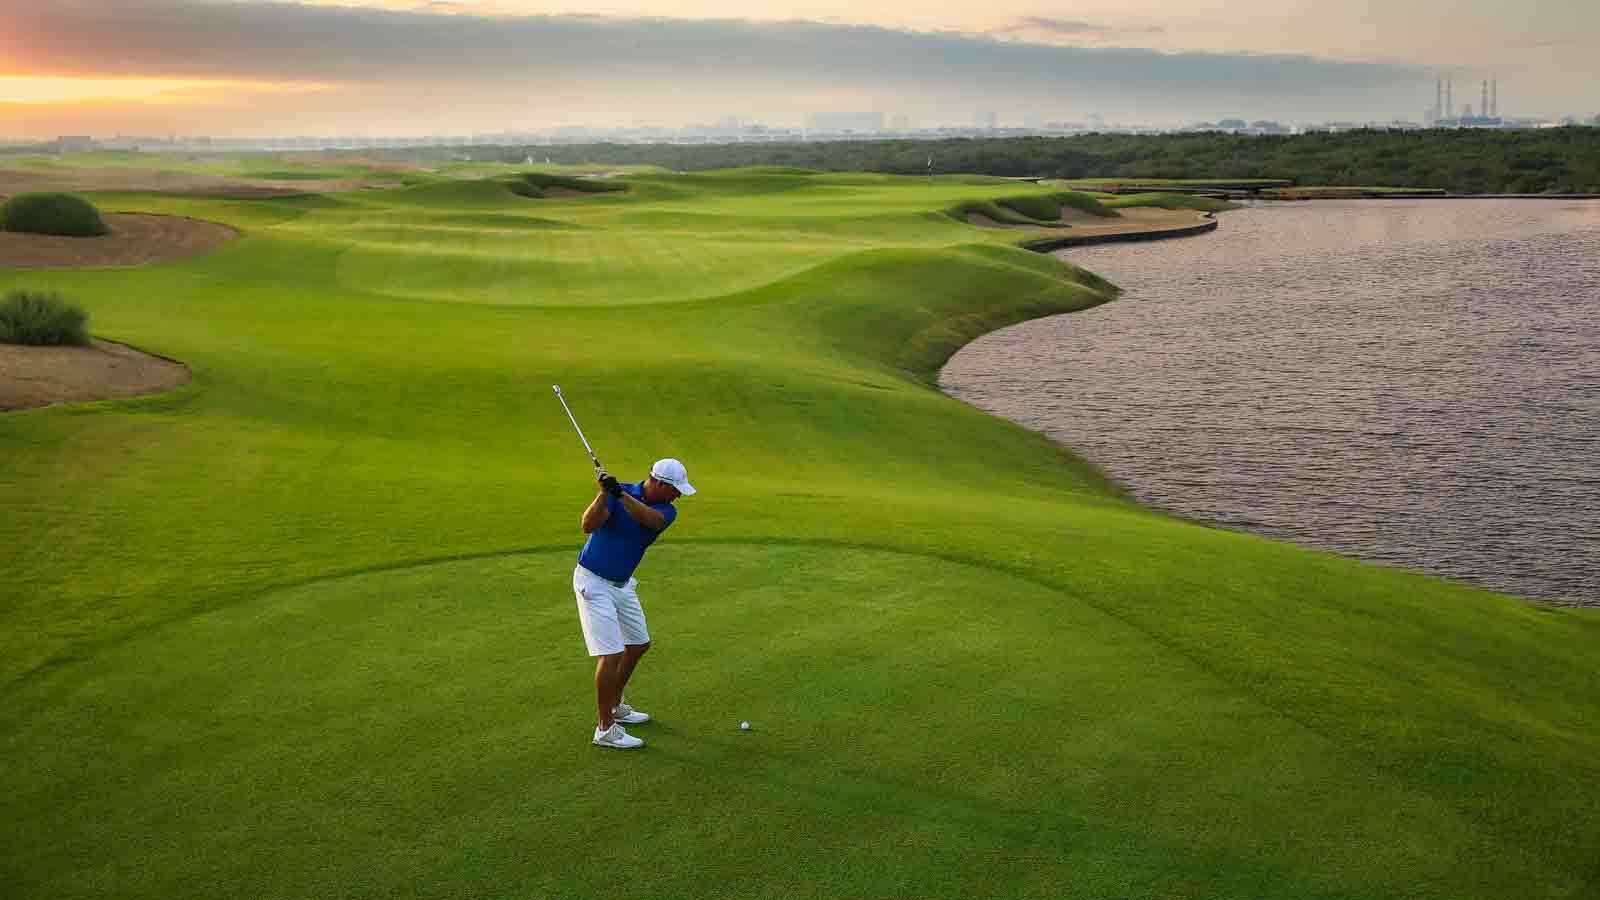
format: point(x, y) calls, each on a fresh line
point(304, 628)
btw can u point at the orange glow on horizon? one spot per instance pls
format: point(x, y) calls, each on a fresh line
point(44, 90)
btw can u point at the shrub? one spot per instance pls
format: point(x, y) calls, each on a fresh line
point(63, 214)
point(34, 317)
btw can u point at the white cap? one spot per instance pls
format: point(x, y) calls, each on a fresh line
point(672, 472)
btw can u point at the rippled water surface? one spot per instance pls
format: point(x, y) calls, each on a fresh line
point(1415, 383)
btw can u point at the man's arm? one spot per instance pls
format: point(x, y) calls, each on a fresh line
point(652, 519)
point(599, 512)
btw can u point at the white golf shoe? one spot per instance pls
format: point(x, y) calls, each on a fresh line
point(627, 715)
point(617, 738)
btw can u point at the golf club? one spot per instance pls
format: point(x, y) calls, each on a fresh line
point(563, 399)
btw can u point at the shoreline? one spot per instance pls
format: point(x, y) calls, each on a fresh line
point(1126, 491)
point(1049, 244)
point(1407, 195)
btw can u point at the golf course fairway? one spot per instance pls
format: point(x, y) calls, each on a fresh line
point(304, 627)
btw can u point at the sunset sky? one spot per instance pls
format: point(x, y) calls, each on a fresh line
point(249, 67)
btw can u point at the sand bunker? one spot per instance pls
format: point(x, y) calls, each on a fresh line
point(136, 239)
point(1141, 218)
point(41, 376)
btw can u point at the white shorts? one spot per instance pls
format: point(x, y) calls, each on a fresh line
point(612, 617)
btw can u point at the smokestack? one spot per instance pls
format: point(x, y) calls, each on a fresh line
point(1450, 98)
point(1483, 107)
point(1438, 99)
point(1494, 96)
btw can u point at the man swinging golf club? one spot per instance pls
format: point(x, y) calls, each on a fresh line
point(621, 522)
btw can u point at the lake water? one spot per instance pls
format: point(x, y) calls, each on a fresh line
point(1414, 383)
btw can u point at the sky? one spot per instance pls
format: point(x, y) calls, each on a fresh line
point(236, 68)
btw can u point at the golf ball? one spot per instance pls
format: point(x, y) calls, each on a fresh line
point(744, 726)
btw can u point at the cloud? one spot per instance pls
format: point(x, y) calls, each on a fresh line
point(1074, 28)
point(443, 60)
point(286, 41)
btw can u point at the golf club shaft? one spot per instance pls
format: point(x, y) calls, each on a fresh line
point(574, 421)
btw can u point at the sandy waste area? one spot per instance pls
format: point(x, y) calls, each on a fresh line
point(42, 376)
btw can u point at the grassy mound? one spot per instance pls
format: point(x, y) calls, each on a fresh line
point(537, 184)
point(1031, 209)
point(326, 644)
point(41, 319)
point(1170, 201)
point(1033, 206)
point(1086, 203)
point(1047, 207)
point(997, 211)
point(59, 214)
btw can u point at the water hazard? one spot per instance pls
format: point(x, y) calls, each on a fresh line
point(1415, 383)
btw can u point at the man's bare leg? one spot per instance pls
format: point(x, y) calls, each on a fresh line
point(630, 659)
point(608, 681)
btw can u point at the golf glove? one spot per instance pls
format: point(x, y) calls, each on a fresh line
point(611, 485)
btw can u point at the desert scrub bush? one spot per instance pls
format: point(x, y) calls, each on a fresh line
point(533, 184)
point(40, 319)
point(63, 214)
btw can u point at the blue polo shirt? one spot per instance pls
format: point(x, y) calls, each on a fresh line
point(614, 549)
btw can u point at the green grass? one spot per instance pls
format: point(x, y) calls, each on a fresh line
point(1032, 209)
point(40, 319)
point(304, 629)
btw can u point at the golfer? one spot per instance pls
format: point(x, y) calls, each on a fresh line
point(621, 521)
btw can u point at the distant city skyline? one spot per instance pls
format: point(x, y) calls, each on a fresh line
point(255, 68)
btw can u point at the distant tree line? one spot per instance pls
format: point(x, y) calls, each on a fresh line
point(1551, 160)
